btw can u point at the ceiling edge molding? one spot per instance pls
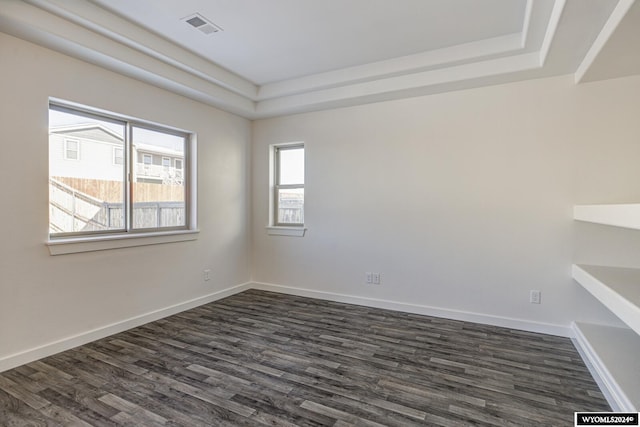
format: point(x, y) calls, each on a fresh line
point(100, 21)
point(524, 41)
point(554, 21)
point(524, 34)
point(58, 34)
point(607, 31)
point(426, 82)
point(439, 58)
point(97, 36)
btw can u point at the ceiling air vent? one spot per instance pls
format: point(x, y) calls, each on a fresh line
point(202, 24)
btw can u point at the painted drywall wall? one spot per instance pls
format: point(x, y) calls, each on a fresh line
point(46, 298)
point(462, 201)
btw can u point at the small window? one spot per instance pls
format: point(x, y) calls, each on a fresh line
point(288, 188)
point(71, 149)
point(105, 192)
point(118, 156)
point(166, 162)
point(178, 163)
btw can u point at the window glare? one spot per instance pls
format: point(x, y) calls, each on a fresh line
point(291, 206)
point(159, 187)
point(92, 160)
point(158, 139)
point(86, 187)
point(63, 118)
point(291, 166)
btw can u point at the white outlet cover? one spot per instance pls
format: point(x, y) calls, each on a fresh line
point(534, 297)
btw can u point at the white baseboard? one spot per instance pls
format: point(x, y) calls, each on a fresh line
point(615, 396)
point(21, 358)
point(17, 359)
point(486, 319)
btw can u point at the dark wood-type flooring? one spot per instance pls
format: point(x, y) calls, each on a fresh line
point(260, 358)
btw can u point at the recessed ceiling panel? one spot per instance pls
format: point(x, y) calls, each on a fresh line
point(267, 41)
point(620, 55)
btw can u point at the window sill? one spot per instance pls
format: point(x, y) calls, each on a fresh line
point(286, 231)
point(101, 243)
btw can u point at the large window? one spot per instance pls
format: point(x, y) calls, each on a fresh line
point(288, 188)
point(123, 182)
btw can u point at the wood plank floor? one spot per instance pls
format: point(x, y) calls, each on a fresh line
point(259, 358)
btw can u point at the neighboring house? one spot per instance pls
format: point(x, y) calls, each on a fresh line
point(88, 151)
point(93, 151)
point(87, 170)
point(158, 164)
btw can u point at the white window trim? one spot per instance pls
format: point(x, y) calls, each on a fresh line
point(99, 242)
point(279, 230)
point(75, 245)
point(274, 229)
point(147, 156)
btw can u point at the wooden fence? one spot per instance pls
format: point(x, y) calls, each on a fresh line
point(111, 191)
point(71, 210)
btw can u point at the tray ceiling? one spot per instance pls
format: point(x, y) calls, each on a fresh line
point(275, 40)
point(276, 57)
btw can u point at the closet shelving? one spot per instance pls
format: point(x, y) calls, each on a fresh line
point(614, 352)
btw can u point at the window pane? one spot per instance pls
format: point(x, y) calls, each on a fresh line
point(158, 188)
point(291, 206)
point(72, 150)
point(118, 156)
point(86, 194)
point(291, 166)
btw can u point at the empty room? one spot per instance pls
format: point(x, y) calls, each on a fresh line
point(320, 213)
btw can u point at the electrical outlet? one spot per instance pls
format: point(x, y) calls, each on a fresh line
point(376, 278)
point(206, 275)
point(535, 296)
point(369, 277)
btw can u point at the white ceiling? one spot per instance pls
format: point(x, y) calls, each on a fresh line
point(275, 40)
point(286, 56)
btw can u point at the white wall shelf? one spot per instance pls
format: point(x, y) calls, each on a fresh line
point(621, 215)
point(615, 287)
point(613, 354)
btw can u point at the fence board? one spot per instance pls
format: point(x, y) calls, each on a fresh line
point(111, 191)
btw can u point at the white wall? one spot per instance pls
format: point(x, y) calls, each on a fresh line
point(463, 200)
point(45, 298)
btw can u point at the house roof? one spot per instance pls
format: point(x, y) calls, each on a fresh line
point(93, 131)
point(98, 132)
point(155, 149)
